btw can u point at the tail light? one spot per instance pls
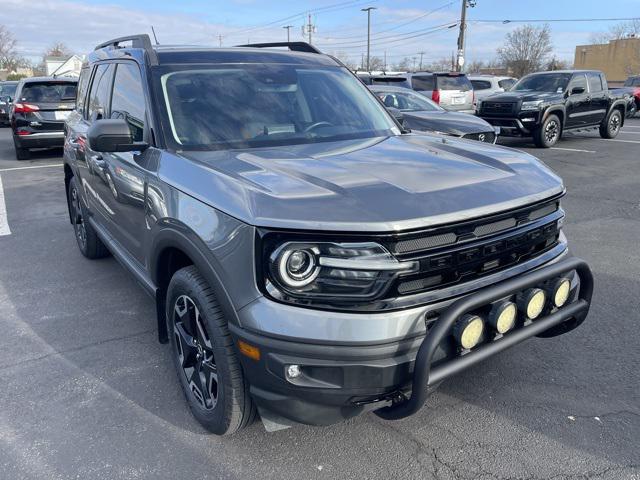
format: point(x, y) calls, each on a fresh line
point(25, 108)
point(435, 96)
point(23, 133)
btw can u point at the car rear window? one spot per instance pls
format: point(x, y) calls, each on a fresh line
point(423, 82)
point(507, 83)
point(49, 92)
point(9, 90)
point(481, 84)
point(454, 82)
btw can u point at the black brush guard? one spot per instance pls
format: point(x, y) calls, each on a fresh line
point(424, 376)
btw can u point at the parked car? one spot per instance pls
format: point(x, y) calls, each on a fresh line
point(307, 257)
point(450, 90)
point(7, 92)
point(421, 114)
point(485, 85)
point(544, 105)
point(632, 90)
point(38, 113)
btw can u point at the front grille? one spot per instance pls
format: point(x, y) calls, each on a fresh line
point(462, 252)
point(498, 107)
point(487, 137)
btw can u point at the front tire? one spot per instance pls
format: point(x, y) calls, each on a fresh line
point(612, 124)
point(548, 134)
point(88, 241)
point(204, 356)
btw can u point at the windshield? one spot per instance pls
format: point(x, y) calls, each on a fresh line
point(545, 82)
point(247, 106)
point(48, 92)
point(632, 82)
point(407, 101)
point(9, 90)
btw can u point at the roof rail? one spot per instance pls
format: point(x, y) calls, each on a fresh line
point(293, 46)
point(141, 40)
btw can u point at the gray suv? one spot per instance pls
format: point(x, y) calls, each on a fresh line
point(308, 258)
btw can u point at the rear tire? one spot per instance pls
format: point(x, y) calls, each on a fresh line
point(611, 126)
point(206, 361)
point(88, 241)
point(21, 153)
point(548, 134)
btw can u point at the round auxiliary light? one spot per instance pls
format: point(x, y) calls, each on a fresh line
point(560, 291)
point(298, 268)
point(293, 371)
point(503, 316)
point(532, 302)
point(468, 331)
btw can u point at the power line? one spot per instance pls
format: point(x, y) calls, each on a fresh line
point(551, 20)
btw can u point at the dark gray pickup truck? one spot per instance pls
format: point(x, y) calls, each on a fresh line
point(543, 105)
point(309, 260)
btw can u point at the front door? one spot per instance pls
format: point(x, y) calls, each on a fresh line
point(578, 106)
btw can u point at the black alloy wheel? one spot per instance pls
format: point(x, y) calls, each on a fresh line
point(195, 352)
point(611, 127)
point(88, 241)
point(548, 134)
point(76, 217)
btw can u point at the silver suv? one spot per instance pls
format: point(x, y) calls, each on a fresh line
point(451, 90)
point(485, 85)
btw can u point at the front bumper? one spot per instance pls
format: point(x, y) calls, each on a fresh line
point(522, 124)
point(342, 381)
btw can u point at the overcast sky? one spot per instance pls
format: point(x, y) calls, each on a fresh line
point(340, 26)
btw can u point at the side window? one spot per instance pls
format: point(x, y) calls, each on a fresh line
point(506, 83)
point(481, 84)
point(578, 81)
point(83, 83)
point(99, 94)
point(595, 83)
point(127, 101)
point(424, 82)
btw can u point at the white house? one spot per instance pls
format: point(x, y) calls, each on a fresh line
point(63, 67)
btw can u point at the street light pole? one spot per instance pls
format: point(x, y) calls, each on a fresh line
point(368, 10)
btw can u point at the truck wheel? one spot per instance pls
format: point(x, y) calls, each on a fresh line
point(88, 241)
point(548, 134)
point(611, 126)
point(21, 153)
point(204, 356)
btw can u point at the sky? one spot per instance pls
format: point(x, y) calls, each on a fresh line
point(401, 28)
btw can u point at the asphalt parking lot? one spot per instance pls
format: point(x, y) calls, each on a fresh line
point(86, 391)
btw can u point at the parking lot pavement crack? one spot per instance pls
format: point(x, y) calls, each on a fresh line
point(76, 349)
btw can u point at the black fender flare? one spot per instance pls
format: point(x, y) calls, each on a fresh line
point(555, 109)
point(170, 237)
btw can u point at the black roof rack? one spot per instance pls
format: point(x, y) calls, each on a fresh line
point(293, 46)
point(141, 40)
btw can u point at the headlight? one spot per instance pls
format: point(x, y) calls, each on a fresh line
point(329, 273)
point(531, 105)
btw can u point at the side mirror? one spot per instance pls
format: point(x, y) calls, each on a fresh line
point(397, 114)
point(577, 90)
point(112, 136)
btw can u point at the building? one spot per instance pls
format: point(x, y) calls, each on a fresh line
point(63, 66)
point(617, 59)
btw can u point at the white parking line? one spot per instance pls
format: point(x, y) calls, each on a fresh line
point(4, 223)
point(624, 141)
point(30, 167)
point(573, 150)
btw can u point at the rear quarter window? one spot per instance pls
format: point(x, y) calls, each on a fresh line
point(454, 82)
point(49, 92)
point(423, 82)
point(481, 84)
point(83, 83)
point(507, 83)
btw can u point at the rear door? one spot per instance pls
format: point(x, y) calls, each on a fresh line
point(599, 103)
point(47, 104)
point(456, 91)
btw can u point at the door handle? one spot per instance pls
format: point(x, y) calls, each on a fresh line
point(99, 162)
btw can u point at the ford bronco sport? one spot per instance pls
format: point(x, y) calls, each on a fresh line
point(308, 258)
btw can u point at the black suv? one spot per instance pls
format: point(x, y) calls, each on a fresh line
point(543, 105)
point(307, 257)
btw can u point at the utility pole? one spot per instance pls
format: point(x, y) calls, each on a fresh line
point(308, 29)
point(288, 27)
point(220, 40)
point(421, 54)
point(463, 27)
point(385, 61)
point(368, 10)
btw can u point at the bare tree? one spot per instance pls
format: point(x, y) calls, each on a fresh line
point(474, 67)
point(346, 59)
point(526, 49)
point(9, 57)
point(557, 64)
point(58, 49)
point(442, 65)
point(403, 65)
point(628, 29)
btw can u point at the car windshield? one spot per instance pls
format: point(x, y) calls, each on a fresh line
point(545, 82)
point(407, 101)
point(247, 106)
point(8, 90)
point(632, 82)
point(48, 92)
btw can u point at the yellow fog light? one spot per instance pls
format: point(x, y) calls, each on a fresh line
point(561, 289)
point(503, 316)
point(468, 331)
point(532, 302)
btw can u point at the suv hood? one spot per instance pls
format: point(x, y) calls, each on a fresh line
point(523, 95)
point(372, 185)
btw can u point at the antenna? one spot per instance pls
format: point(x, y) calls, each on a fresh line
point(154, 35)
